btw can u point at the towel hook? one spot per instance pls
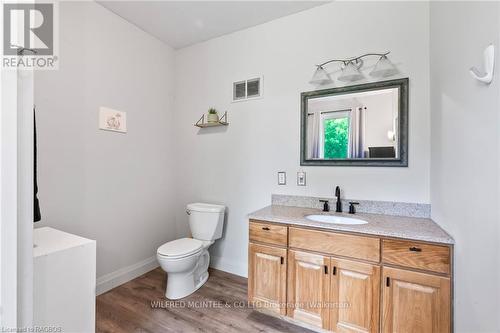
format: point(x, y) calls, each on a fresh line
point(489, 65)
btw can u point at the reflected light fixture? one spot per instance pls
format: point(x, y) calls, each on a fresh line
point(351, 69)
point(384, 68)
point(320, 77)
point(391, 135)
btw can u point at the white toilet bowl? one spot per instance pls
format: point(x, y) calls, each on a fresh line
point(186, 262)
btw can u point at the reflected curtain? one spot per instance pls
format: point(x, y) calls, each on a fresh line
point(356, 133)
point(313, 140)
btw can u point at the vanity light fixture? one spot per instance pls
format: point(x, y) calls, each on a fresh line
point(351, 69)
point(320, 76)
point(351, 72)
point(384, 68)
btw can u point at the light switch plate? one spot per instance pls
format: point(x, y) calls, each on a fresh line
point(301, 178)
point(112, 120)
point(281, 178)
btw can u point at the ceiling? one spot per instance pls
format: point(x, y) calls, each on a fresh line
point(183, 23)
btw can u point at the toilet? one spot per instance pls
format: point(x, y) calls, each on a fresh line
point(186, 260)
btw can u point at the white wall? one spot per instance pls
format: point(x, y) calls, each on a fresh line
point(379, 118)
point(465, 156)
point(114, 188)
point(238, 165)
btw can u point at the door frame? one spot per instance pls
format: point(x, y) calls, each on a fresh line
point(8, 198)
point(16, 198)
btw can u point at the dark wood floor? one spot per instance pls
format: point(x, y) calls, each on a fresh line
point(218, 306)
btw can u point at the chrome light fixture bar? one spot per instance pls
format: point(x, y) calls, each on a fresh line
point(351, 69)
point(351, 72)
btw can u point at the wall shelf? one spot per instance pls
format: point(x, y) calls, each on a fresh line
point(202, 124)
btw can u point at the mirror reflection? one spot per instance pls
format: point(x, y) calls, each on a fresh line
point(352, 125)
point(359, 125)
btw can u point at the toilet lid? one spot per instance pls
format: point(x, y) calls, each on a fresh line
point(180, 247)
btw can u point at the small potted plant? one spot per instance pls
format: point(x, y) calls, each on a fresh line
point(213, 117)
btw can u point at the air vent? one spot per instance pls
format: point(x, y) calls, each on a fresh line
point(239, 90)
point(247, 89)
point(253, 88)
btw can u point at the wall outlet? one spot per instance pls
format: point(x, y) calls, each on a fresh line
point(301, 178)
point(281, 178)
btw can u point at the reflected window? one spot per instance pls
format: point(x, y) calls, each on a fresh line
point(335, 128)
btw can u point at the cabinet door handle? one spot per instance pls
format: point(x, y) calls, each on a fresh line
point(282, 260)
point(326, 269)
point(415, 249)
point(265, 228)
point(334, 270)
point(388, 282)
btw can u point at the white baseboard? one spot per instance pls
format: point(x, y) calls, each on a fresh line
point(229, 266)
point(125, 274)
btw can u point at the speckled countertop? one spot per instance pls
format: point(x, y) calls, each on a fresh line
point(413, 228)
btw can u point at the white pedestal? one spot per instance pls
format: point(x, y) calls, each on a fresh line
point(64, 280)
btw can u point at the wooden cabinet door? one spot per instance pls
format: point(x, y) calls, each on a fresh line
point(308, 287)
point(415, 302)
point(267, 277)
point(354, 296)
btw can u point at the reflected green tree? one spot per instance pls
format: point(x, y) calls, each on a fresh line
point(336, 137)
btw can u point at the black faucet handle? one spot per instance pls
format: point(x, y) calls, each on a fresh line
point(352, 209)
point(326, 207)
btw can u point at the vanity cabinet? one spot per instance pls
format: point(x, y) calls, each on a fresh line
point(331, 293)
point(308, 287)
point(268, 233)
point(353, 246)
point(415, 302)
point(345, 282)
point(428, 257)
point(267, 277)
point(355, 290)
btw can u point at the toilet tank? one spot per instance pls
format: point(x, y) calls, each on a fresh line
point(206, 220)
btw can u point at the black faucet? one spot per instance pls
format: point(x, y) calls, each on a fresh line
point(352, 209)
point(326, 207)
point(339, 202)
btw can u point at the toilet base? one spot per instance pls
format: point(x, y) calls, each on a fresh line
point(179, 289)
point(183, 284)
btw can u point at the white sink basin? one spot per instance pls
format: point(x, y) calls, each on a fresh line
point(335, 219)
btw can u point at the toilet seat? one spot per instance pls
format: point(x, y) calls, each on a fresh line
point(180, 248)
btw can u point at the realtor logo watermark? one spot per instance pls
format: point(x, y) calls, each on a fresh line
point(30, 36)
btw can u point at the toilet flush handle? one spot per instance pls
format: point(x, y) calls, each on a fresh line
point(188, 212)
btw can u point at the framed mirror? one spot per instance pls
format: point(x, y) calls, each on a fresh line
point(360, 125)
